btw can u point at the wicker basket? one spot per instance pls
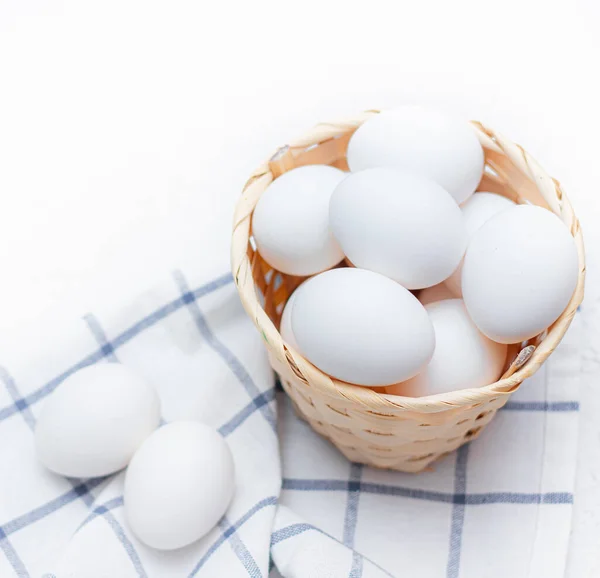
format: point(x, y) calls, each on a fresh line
point(367, 426)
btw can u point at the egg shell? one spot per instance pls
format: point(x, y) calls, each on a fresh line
point(361, 327)
point(179, 485)
point(434, 144)
point(436, 293)
point(95, 420)
point(290, 223)
point(476, 211)
point(463, 356)
point(519, 273)
point(398, 224)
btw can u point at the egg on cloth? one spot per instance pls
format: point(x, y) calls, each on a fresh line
point(436, 145)
point(519, 273)
point(290, 223)
point(463, 356)
point(399, 224)
point(95, 420)
point(476, 211)
point(178, 485)
point(361, 327)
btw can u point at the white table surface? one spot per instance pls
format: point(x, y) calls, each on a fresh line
point(127, 127)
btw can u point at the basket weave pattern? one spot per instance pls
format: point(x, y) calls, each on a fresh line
point(367, 426)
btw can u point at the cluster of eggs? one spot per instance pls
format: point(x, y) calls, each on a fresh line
point(439, 278)
point(180, 477)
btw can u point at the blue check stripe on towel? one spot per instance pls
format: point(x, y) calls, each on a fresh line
point(459, 497)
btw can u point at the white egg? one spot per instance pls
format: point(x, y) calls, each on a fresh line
point(179, 485)
point(436, 293)
point(463, 356)
point(290, 223)
point(476, 211)
point(429, 142)
point(361, 327)
point(95, 420)
point(285, 328)
point(398, 224)
point(519, 273)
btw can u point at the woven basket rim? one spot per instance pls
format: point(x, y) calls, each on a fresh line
point(389, 404)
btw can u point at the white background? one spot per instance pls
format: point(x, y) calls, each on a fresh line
point(128, 128)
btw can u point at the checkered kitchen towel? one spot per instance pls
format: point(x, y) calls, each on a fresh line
point(499, 507)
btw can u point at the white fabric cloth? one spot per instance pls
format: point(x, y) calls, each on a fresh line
point(499, 507)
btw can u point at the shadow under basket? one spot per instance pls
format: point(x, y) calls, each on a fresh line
point(367, 426)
